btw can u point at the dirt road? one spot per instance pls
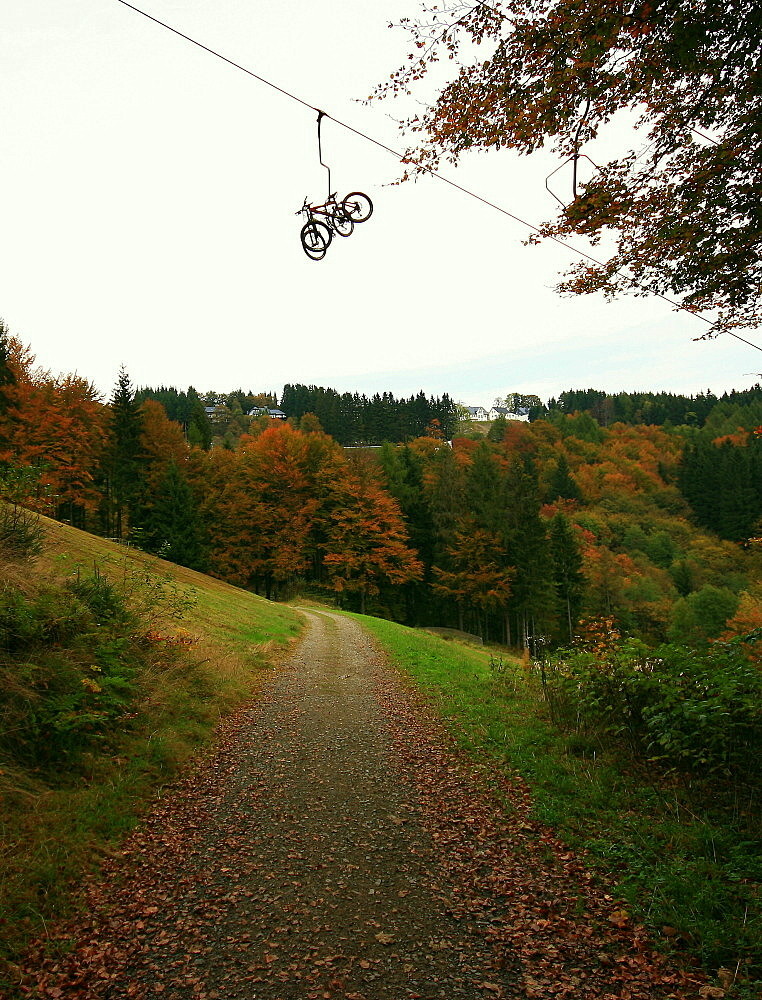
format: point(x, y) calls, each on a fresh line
point(335, 846)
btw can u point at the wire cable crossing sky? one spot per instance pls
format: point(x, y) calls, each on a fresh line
point(148, 205)
point(401, 157)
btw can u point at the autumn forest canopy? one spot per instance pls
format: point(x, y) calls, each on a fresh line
point(643, 508)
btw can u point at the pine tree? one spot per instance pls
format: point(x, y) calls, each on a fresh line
point(567, 570)
point(485, 490)
point(122, 466)
point(403, 471)
point(497, 431)
point(199, 427)
point(172, 528)
point(532, 598)
point(562, 483)
point(7, 378)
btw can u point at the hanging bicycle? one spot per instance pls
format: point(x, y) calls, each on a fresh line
point(332, 216)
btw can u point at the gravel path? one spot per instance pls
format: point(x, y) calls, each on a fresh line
point(335, 846)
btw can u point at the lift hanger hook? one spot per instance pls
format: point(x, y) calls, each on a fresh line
point(321, 115)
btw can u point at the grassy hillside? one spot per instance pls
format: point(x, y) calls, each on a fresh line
point(685, 862)
point(116, 668)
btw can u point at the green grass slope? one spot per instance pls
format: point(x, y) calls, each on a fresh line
point(116, 668)
point(686, 865)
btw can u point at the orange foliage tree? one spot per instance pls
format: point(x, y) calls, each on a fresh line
point(162, 442)
point(480, 579)
point(746, 625)
point(56, 426)
point(367, 543)
point(264, 510)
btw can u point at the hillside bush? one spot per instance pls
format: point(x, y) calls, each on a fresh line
point(20, 530)
point(20, 533)
point(692, 710)
point(69, 674)
point(75, 658)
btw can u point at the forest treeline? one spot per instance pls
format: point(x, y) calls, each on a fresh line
point(355, 419)
point(661, 408)
point(515, 539)
point(351, 418)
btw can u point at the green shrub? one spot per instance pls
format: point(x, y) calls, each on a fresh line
point(20, 532)
point(702, 615)
point(697, 711)
point(704, 711)
point(99, 595)
point(69, 666)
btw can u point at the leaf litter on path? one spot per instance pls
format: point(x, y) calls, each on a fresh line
point(336, 845)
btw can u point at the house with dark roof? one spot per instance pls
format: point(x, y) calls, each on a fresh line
point(266, 411)
point(521, 413)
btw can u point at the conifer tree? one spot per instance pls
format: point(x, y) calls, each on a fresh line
point(562, 483)
point(172, 528)
point(485, 489)
point(7, 379)
point(567, 570)
point(532, 598)
point(497, 431)
point(122, 466)
point(403, 471)
point(199, 428)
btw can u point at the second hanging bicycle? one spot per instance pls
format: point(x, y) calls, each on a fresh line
point(331, 217)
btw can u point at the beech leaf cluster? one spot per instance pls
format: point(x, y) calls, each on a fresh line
point(682, 204)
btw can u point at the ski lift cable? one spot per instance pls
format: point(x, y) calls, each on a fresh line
point(433, 173)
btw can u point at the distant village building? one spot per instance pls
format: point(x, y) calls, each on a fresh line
point(480, 413)
point(267, 411)
point(522, 413)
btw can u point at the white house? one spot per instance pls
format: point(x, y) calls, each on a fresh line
point(477, 413)
point(267, 411)
point(522, 413)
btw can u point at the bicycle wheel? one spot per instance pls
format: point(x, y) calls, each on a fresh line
point(358, 206)
point(314, 249)
point(342, 224)
point(315, 238)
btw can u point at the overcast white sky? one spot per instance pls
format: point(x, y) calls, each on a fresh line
point(147, 200)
